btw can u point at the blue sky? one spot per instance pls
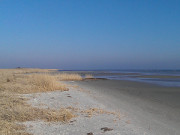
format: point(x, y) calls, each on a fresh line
point(90, 34)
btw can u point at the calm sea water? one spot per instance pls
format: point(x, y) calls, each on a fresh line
point(169, 78)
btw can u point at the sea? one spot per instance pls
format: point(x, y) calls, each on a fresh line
point(169, 78)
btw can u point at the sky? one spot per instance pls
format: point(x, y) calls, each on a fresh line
point(90, 34)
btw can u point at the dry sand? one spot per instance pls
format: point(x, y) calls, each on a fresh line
point(116, 121)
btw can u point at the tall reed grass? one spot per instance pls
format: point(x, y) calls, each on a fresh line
point(46, 82)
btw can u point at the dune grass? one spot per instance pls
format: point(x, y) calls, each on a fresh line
point(14, 109)
point(46, 82)
point(69, 77)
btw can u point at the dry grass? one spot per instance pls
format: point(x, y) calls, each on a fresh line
point(14, 109)
point(69, 77)
point(31, 83)
point(46, 82)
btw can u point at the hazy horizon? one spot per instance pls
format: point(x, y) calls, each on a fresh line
point(90, 35)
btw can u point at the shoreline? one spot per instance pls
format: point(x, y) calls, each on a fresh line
point(162, 79)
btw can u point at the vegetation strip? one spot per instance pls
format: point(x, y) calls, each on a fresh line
point(14, 109)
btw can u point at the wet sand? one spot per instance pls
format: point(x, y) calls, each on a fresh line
point(155, 109)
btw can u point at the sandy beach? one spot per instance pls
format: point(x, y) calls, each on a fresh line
point(134, 109)
point(93, 116)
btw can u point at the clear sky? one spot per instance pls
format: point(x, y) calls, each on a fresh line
point(90, 34)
